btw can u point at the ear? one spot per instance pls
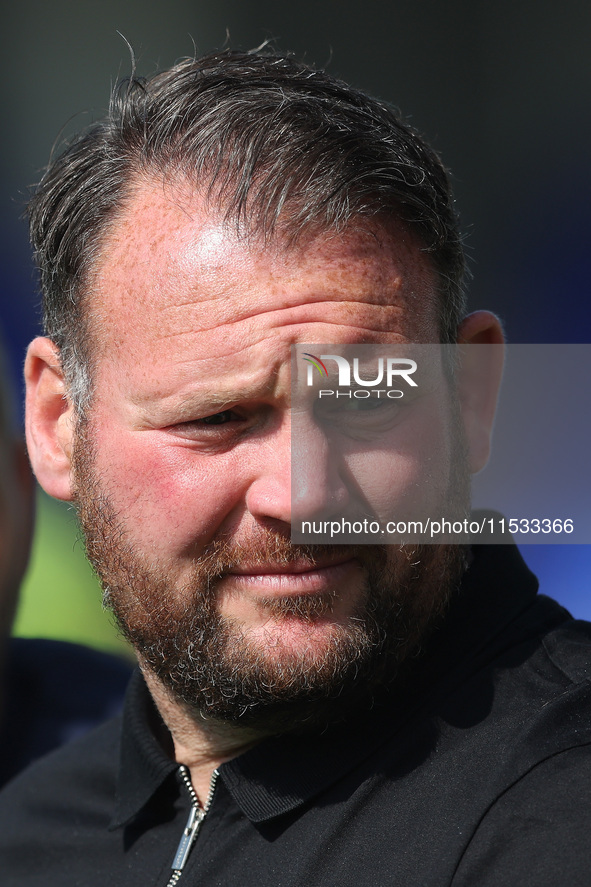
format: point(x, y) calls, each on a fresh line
point(49, 419)
point(481, 356)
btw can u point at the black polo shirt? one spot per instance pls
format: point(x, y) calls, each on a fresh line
point(478, 774)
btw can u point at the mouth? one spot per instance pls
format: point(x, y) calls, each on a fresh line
point(297, 577)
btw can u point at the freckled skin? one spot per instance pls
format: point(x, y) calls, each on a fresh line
point(190, 320)
point(186, 452)
point(198, 277)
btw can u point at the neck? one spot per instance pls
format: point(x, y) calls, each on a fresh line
point(200, 743)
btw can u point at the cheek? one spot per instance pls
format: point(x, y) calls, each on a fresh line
point(168, 497)
point(407, 473)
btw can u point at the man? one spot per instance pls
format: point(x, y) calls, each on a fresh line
point(50, 691)
point(315, 715)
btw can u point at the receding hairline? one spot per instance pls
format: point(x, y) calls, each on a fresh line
point(267, 131)
point(184, 192)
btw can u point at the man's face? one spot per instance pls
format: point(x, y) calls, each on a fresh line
point(182, 469)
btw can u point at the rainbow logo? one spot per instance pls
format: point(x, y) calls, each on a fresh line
point(315, 361)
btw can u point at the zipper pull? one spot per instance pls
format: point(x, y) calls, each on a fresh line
point(188, 837)
point(196, 817)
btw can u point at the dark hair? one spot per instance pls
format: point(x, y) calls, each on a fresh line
point(278, 146)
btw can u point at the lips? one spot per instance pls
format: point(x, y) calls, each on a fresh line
point(298, 577)
point(301, 566)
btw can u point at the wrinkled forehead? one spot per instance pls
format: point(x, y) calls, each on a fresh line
point(170, 264)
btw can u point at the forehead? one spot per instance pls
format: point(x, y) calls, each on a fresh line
point(171, 270)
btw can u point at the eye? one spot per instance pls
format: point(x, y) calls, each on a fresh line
point(209, 427)
point(225, 428)
point(361, 418)
point(217, 418)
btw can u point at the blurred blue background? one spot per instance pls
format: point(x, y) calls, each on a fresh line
point(502, 90)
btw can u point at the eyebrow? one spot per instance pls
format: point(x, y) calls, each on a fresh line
point(205, 400)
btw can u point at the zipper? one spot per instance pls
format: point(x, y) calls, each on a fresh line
point(196, 817)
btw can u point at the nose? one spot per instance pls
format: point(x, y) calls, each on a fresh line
point(297, 479)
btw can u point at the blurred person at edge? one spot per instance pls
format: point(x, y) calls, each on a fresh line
point(50, 691)
point(303, 715)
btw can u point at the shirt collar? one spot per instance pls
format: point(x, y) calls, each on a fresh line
point(143, 765)
point(284, 772)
